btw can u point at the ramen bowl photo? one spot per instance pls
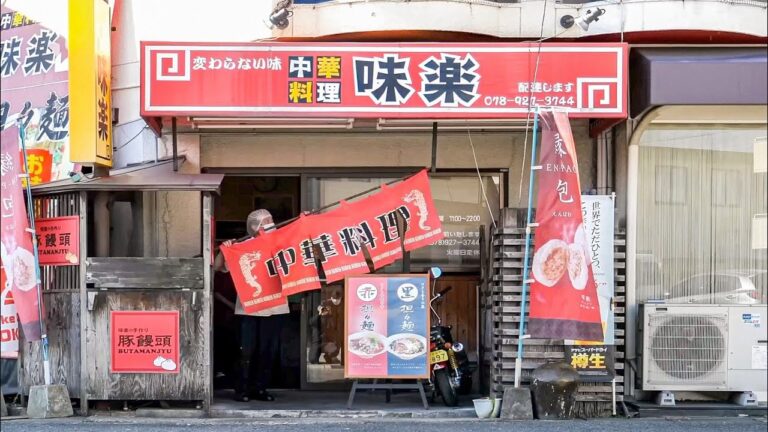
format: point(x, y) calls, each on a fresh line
point(367, 344)
point(407, 346)
point(550, 262)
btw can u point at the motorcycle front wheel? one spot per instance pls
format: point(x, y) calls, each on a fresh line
point(447, 392)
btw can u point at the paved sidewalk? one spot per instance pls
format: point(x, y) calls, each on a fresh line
point(95, 424)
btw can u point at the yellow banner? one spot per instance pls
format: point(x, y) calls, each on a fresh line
point(90, 68)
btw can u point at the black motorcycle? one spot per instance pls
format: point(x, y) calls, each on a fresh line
point(451, 370)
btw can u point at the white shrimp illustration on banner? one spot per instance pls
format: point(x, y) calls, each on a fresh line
point(415, 196)
point(247, 263)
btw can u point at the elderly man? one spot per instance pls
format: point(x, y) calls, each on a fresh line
point(259, 332)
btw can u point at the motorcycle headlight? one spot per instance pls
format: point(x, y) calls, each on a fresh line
point(457, 347)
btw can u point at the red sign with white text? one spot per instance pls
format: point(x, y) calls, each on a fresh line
point(58, 240)
point(564, 303)
point(257, 283)
point(144, 341)
point(293, 260)
point(406, 80)
point(17, 254)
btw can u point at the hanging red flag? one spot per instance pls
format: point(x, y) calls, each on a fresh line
point(294, 259)
point(336, 237)
point(17, 253)
point(377, 228)
point(564, 301)
point(256, 280)
point(414, 199)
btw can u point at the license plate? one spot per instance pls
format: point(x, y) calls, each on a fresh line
point(438, 356)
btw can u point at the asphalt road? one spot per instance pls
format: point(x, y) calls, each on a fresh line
point(732, 424)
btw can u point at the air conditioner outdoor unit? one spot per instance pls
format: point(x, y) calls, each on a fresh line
point(704, 347)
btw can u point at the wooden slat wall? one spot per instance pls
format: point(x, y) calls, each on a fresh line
point(61, 297)
point(191, 381)
point(502, 297)
point(124, 284)
point(152, 273)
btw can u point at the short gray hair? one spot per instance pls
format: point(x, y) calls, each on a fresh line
point(260, 218)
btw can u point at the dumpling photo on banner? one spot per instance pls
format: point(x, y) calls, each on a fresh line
point(564, 301)
point(424, 226)
point(17, 252)
point(335, 235)
point(377, 227)
point(294, 258)
point(256, 282)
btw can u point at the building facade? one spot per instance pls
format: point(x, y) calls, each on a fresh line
point(685, 164)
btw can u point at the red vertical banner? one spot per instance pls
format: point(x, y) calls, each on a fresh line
point(256, 280)
point(17, 253)
point(564, 303)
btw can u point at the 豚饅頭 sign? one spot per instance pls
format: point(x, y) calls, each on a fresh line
point(144, 341)
point(413, 80)
point(58, 240)
point(387, 326)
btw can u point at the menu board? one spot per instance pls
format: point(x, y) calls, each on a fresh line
point(386, 326)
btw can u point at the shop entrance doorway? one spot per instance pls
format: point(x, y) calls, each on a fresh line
point(240, 195)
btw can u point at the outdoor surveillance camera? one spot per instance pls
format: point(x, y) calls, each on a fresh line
point(567, 21)
point(280, 15)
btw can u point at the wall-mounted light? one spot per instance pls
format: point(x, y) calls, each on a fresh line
point(567, 21)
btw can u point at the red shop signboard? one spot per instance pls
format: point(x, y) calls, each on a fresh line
point(144, 341)
point(58, 240)
point(424, 80)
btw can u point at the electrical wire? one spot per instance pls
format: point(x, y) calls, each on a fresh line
point(530, 103)
point(130, 140)
point(480, 179)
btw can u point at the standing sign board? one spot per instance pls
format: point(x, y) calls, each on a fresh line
point(594, 360)
point(144, 341)
point(413, 80)
point(387, 326)
point(594, 363)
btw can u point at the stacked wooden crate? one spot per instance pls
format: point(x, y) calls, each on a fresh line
point(503, 300)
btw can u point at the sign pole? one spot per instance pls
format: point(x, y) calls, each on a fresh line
point(31, 216)
point(528, 225)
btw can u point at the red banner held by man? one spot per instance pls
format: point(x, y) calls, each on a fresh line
point(294, 258)
point(336, 237)
point(377, 228)
point(258, 286)
point(17, 253)
point(564, 301)
point(424, 227)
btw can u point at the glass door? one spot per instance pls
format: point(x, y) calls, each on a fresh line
point(464, 206)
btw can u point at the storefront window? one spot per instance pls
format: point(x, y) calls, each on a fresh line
point(462, 207)
point(701, 214)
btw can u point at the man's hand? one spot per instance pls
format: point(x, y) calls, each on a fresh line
point(228, 243)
